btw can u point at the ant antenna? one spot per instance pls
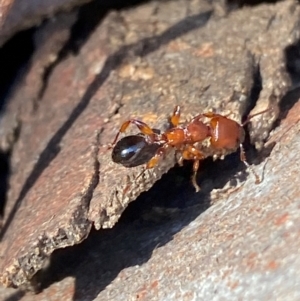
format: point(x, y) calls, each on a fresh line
point(242, 151)
point(256, 114)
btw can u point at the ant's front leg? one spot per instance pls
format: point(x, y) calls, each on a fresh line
point(192, 153)
point(143, 127)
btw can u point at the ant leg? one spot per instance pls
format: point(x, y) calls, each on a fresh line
point(212, 115)
point(198, 117)
point(192, 153)
point(175, 118)
point(143, 127)
point(180, 161)
point(244, 160)
point(208, 115)
point(161, 152)
point(194, 179)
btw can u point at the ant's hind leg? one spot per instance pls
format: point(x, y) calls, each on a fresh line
point(143, 127)
point(160, 153)
point(244, 160)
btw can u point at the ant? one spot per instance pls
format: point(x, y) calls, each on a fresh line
point(207, 134)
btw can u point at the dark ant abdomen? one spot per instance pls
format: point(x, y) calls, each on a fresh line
point(132, 151)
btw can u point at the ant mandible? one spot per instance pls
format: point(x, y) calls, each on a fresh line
point(221, 134)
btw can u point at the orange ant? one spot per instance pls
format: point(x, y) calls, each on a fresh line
point(207, 134)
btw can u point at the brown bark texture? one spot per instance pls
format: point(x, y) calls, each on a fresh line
point(64, 190)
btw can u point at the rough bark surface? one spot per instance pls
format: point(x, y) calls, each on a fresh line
point(140, 62)
point(17, 15)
